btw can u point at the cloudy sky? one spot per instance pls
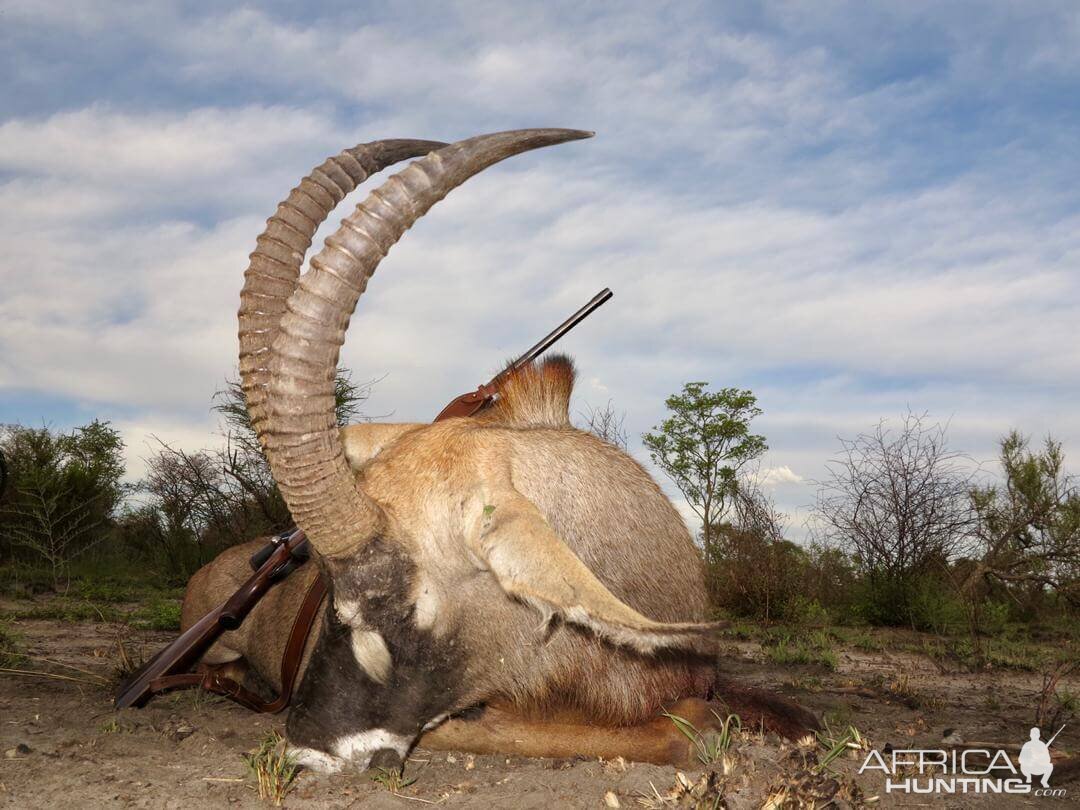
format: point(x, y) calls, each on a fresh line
point(849, 208)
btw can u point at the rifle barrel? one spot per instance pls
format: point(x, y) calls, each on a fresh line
point(545, 343)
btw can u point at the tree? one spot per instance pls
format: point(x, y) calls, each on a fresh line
point(203, 501)
point(755, 571)
point(1027, 532)
point(607, 425)
point(898, 501)
point(702, 446)
point(64, 491)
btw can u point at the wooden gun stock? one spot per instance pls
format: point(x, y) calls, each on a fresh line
point(468, 404)
point(181, 654)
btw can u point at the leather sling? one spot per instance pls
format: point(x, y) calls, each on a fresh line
point(212, 681)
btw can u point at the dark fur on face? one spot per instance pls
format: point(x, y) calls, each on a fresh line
point(338, 697)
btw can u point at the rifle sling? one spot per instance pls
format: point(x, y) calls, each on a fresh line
point(212, 681)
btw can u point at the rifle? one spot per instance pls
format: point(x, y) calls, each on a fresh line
point(475, 401)
point(276, 560)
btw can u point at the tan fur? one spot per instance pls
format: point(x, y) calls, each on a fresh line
point(513, 520)
point(260, 640)
point(503, 730)
point(537, 395)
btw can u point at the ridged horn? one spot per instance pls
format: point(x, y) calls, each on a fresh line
point(279, 252)
point(301, 434)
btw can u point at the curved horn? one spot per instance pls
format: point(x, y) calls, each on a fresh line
point(302, 439)
point(279, 251)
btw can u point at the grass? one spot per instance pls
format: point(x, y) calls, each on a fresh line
point(159, 612)
point(11, 649)
point(851, 741)
point(111, 579)
point(273, 769)
point(1017, 646)
point(859, 638)
point(711, 747)
point(815, 648)
point(901, 688)
point(114, 726)
point(393, 779)
point(808, 683)
point(119, 592)
point(741, 631)
point(65, 609)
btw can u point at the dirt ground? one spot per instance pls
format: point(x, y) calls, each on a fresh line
point(64, 746)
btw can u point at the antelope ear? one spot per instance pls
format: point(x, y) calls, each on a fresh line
point(363, 442)
point(533, 564)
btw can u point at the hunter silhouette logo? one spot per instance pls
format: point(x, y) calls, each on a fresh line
point(1035, 757)
point(984, 770)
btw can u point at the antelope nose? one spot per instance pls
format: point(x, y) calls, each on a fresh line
point(386, 758)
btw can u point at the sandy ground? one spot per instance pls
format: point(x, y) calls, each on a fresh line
point(63, 745)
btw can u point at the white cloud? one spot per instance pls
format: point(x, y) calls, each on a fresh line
point(772, 476)
point(771, 212)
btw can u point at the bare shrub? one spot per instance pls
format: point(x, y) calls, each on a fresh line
point(898, 501)
point(607, 424)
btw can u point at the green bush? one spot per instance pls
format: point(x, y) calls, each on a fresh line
point(993, 617)
point(875, 602)
point(160, 614)
point(935, 608)
point(11, 651)
point(807, 611)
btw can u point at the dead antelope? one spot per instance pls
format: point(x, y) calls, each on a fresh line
point(504, 582)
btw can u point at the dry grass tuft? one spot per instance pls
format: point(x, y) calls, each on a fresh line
point(274, 770)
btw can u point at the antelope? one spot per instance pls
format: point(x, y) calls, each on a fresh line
point(499, 583)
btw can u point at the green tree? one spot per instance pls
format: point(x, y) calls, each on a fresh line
point(1027, 532)
point(702, 446)
point(63, 493)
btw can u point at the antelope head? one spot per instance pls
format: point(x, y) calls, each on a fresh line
point(434, 530)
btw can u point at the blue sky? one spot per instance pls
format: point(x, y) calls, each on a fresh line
point(850, 208)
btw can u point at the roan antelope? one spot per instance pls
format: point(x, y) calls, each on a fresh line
point(504, 582)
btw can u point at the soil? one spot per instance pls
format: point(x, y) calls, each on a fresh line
point(63, 745)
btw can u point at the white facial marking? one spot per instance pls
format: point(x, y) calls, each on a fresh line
point(372, 655)
point(348, 611)
point(358, 747)
point(315, 760)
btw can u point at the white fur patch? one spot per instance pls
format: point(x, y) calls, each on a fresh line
point(315, 760)
point(372, 654)
point(348, 611)
point(435, 721)
point(671, 636)
point(358, 747)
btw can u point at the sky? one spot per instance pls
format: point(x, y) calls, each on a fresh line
point(853, 209)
